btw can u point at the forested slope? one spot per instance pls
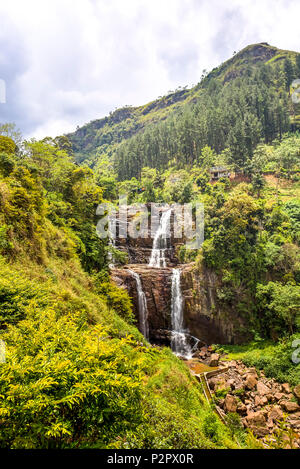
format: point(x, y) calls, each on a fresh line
point(260, 75)
point(77, 373)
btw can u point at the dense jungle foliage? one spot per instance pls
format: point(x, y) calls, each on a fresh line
point(78, 373)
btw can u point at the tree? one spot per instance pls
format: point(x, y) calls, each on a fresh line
point(148, 178)
point(7, 145)
point(10, 130)
point(73, 197)
point(63, 143)
point(280, 305)
point(258, 183)
point(178, 187)
point(106, 177)
point(287, 155)
point(207, 157)
point(289, 73)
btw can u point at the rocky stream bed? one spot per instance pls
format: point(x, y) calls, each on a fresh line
point(269, 409)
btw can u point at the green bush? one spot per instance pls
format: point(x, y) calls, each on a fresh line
point(7, 145)
point(6, 164)
point(117, 299)
point(18, 295)
point(66, 385)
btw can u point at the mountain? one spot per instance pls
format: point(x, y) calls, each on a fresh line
point(104, 135)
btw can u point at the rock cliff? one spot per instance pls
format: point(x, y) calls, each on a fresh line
point(205, 316)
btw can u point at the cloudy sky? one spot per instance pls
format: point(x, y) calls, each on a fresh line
point(66, 62)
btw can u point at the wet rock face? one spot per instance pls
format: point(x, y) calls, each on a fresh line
point(139, 247)
point(205, 317)
point(157, 288)
point(297, 392)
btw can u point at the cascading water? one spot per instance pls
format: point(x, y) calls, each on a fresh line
point(179, 339)
point(111, 241)
point(142, 304)
point(160, 242)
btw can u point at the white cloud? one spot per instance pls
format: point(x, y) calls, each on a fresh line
point(69, 61)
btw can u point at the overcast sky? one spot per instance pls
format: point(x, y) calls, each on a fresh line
point(66, 62)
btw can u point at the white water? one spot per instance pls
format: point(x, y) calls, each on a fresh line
point(179, 339)
point(111, 242)
point(142, 304)
point(160, 242)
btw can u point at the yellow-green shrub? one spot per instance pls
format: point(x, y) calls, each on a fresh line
point(65, 384)
point(7, 145)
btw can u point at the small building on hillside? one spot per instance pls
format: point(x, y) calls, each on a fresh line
point(218, 172)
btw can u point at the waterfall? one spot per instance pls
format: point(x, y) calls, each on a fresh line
point(160, 242)
point(111, 241)
point(142, 304)
point(179, 339)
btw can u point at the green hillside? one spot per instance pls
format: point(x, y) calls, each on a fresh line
point(103, 136)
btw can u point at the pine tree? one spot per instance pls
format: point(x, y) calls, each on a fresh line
point(289, 73)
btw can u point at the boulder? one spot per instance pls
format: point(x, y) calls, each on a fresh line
point(294, 420)
point(256, 419)
point(264, 400)
point(214, 360)
point(260, 431)
point(213, 382)
point(297, 391)
point(286, 388)
point(231, 383)
point(231, 364)
point(250, 409)
point(260, 401)
point(262, 389)
point(275, 414)
point(239, 385)
point(250, 381)
point(290, 406)
point(270, 397)
point(217, 382)
point(278, 396)
point(230, 403)
point(270, 424)
point(241, 409)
